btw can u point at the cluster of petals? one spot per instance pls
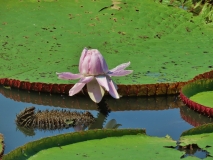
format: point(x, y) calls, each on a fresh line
point(95, 74)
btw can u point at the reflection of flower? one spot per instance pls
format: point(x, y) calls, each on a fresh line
point(95, 73)
point(112, 124)
point(80, 128)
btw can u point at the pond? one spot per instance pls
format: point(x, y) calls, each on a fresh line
point(158, 115)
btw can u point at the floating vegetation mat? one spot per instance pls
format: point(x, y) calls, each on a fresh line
point(195, 87)
point(53, 119)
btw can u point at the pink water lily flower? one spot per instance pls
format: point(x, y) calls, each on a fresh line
point(95, 73)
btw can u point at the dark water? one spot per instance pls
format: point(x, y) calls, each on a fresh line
point(158, 115)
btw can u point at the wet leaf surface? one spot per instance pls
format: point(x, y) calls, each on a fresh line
point(204, 98)
point(53, 33)
point(127, 146)
point(200, 136)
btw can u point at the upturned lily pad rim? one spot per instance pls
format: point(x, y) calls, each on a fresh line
point(30, 148)
point(194, 87)
point(205, 128)
point(124, 90)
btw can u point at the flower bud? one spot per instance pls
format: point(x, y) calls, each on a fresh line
point(92, 63)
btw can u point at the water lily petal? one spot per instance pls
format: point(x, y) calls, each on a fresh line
point(112, 89)
point(102, 80)
point(83, 55)
point(86, 79)
point(121, 73)
point(68, 75)
point(103, 63)
point(120, 67)
point(95, 91)
point(76, 88)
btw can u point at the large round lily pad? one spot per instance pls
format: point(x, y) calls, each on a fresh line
point(114, 144)
point(197, 95)
point(39, 38)
point(204, 98)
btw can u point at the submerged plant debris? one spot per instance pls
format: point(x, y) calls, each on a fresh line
point(53, 119)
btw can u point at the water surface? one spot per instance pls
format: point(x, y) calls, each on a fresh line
point(158, 115)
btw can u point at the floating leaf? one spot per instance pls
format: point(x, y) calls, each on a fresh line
point(143, 32)
point(201, 136)
point(189, 96)
point(96, 144)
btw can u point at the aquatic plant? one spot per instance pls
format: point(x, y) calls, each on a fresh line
point(195, 87)
point(95, 73)
point(53, 119)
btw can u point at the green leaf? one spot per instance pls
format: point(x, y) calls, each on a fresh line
point(204, 98)
point(206, 128)
point(39, 38)
point(192, 88)
point(197, 95)
point(96, 144)
point(202, 136)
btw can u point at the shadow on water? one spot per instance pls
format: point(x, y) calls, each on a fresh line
point(158, 115)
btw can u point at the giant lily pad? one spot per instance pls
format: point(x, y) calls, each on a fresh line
point(196, 95)
point(114, 144)
point(37, 34)
point(201, 136)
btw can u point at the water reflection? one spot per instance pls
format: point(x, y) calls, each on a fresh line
point(158, 115)
point(194, 118)
point(83, 102)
